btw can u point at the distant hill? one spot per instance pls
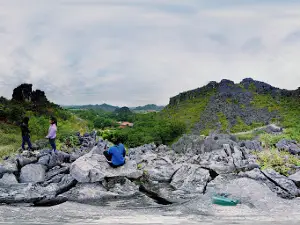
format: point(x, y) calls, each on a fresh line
point(104, 107)
point(230, 107)
point(111, 108)
point(149, 107)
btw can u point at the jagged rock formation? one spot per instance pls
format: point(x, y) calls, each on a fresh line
point(193, 167)
point(24, 93)
point(232, 103)
point(229, 86)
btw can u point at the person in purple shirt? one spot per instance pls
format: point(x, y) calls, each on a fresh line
point(115, 155)
point(52, 133)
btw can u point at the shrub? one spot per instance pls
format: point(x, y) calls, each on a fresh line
point(280, 161)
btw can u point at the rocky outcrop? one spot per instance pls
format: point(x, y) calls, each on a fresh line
point(153, 175)
point(289, 145)
point(191, 178)
point(8, 167)
point(232, 102)
point(32, 173)
point(8, 179)
point(93, 168)
point(24, 93)
point(253, 145)
point(296, 178)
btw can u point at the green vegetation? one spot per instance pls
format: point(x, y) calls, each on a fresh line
point(224, 122)
point(11, 139)
point(250, 135)
point(289, 111)
point(187, 112)
point(35, 105)
point(280, 161)
point(147, 128)
point(241, 126)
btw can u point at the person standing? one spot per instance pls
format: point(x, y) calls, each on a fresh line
point(52, 133)
point(25, 133)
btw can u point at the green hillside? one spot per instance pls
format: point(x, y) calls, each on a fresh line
point(38, 109)
point(233, 108)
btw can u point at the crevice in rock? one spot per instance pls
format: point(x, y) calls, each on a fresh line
point(171, 178)
point(274, 182)
point(159, 200)
point(66, 188)
point(213, 174)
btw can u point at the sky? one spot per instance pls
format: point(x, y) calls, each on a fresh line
point(137, 52)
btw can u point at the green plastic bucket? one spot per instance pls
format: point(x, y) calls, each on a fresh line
point(224, 201)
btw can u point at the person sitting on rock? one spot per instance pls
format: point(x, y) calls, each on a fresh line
point(115, 155)
point(52, 133)
point(25, 134)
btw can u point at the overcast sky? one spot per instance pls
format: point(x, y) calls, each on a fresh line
point(135, 52)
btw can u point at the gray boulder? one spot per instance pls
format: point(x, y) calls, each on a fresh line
point(273, 129)
point(55, 171)
point(94, 167)
point(8, 179)
point(161, 169)
point(191, 178)
point(189, 144)
point(121, 185)
point(23, 161)
point(88, 193)
point(261, 177)
point(21, 193)
point(249, 192)
point(32, 173)
point(36, 194)
point(296, 178)
point(138, 154)
point(55, 179)
point(52, 160)
point(289, 145)
point(282, 181)
point(251, 145)
point(8, 167)
point(165, 193)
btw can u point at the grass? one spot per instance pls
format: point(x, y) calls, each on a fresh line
point(224, 122)
point(280, 161)
point(251, 135)
point(289, 110)
point(188, 111)
point(11, 139)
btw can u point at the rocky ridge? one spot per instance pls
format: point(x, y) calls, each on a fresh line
point(229, 104)
point(194, 167)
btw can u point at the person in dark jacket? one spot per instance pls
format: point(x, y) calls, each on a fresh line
point(25, 134)
point(115, 155)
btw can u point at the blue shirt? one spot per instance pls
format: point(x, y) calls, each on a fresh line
point(118, 153)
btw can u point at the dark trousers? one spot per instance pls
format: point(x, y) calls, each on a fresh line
point(108, 157)
point(26, 139)
point(52, 143)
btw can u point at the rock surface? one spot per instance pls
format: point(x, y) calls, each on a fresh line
point(191, 178)
point(32, 173)
point(8, 179)
point(296, 178)
point(153, 175)
point(93, 168)
point(289, 145)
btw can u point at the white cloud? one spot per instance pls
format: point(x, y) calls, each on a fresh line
point(134, 52)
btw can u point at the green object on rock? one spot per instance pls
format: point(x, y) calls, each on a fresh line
point(224, 201)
